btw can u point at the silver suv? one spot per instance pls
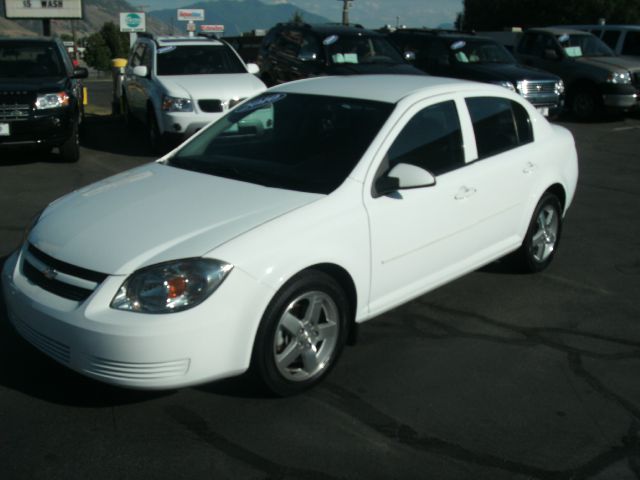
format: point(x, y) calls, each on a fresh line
point(177, 85)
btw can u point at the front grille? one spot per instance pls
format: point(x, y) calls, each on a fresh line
point(210, 106)
point(14, 111)
point(137, 371)
point(541, 87)
point(60, 278)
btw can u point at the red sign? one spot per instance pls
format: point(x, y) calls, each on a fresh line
point(212, 28)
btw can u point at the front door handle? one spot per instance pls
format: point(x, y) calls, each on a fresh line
point(465, 192)
point(529, 167)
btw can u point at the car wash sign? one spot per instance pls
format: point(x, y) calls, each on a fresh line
point(191, 14)
point(132, 22)
point(42, 9)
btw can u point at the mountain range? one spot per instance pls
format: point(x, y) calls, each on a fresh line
point(237, 17)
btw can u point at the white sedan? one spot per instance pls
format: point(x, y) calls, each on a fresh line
point(262, 241)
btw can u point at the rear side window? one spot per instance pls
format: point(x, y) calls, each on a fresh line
point(611, 37)
point(631, 44)
point(499, 124)
point(432, 140)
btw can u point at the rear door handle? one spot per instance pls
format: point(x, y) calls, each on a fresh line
point(529, 167)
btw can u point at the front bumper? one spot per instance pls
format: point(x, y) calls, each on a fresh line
point(211, 341)
point(622, 97)
point(185, 124)
point(51, 129)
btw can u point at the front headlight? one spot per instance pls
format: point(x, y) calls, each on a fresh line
point(559, 87)
point(172, 286)
point(176, 104)
point(621, 78)
point(52, 100)
point(505, 84)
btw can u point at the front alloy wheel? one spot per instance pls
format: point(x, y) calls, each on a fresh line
point(302, 333)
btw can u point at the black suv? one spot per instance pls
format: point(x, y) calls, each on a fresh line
point(40, 96)
point(454, 54)
point(291, 51)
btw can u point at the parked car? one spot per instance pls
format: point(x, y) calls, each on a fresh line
point(292, 51)
point(262, 241)
point(622, 39)
point(177, 85)
point(458, 55)
point(595, 78)
point(41, 97)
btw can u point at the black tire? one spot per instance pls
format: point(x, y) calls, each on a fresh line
point(542, 238)
point(70, 150)
point(288, 362)
point(585, 103)
point(156, 139)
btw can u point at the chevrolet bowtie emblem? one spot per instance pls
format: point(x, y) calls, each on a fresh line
point(49, 273)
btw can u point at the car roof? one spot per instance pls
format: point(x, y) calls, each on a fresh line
point(427, 32)
point(559, 31)
point(333, 29)
point(164, 41)
point(383, 88)
point(608, 26)
point(29, 39)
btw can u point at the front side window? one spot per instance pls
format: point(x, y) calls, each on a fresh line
point(611, 37)
point(499, 124)
point(30, 59)
point(431, 140)
point(307, 143)
point(197, 60)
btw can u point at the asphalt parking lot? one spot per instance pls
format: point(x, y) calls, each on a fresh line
point(494, 376)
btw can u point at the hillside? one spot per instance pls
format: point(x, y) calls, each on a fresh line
point(238, 16)
point(96, 13)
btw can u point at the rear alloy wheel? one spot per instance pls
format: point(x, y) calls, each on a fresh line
point(542, 238)
point(70, 150)
point(302, 334)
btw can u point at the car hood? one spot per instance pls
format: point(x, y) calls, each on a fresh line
point(220, 86)
point(153, 214)
point(32, 85)
point(619, 63)
point(490, 72)
point(373, 69)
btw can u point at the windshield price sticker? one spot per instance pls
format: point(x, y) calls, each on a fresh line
point(5, 130)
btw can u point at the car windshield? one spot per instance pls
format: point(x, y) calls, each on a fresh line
point(479, 51)
point(30, 60)
point(197, 60)
point(361, 49)
point(308, 143)
point(583, 45)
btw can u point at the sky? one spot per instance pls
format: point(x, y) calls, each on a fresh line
point(370, 13)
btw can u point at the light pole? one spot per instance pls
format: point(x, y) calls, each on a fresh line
point(345, 11)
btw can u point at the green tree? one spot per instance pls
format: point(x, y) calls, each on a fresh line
point(478, 15)
point(104, 45)
point(97, 53)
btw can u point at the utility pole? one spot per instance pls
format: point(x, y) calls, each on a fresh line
point(345, 11)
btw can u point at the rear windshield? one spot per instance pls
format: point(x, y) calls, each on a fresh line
point(197, 60)
point(307, 143)
point(30, 59)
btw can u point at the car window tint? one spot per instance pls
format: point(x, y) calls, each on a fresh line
point(631, 44)
point(610, 37)
point(499, 124)
point(432, 140)
point(198, 60)
point(30, 59)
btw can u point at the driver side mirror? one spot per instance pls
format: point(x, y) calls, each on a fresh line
point(141, 71)
point(550, 54)
point(403, 176)
point(80, 72)
point(307, 56)
point(409, 56)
